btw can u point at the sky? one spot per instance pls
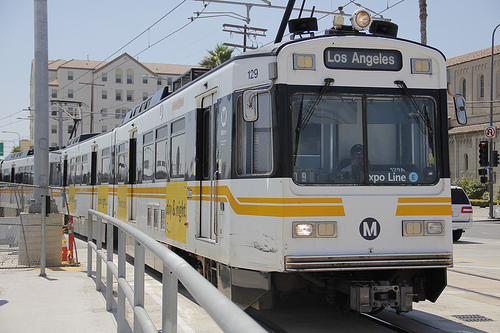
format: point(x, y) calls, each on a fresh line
point(99, 30)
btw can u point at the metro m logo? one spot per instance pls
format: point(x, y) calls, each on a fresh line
point(369, 228)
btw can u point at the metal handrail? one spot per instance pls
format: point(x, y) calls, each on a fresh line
point(225, 313)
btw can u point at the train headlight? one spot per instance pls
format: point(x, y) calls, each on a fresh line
point(361, 20)
point(413, 228)
point(434, 228)
point(303, 229)
point(314, 229)
point(423, 228)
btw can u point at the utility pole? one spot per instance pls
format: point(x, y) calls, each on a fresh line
point(245, 31)
point(92, 84)
point(41, 143)
point(491, 121)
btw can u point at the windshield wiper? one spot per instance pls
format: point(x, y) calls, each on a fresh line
point(423, 115)
point(302, 121)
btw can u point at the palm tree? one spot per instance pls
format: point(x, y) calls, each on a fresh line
point(422, 4)
point(216, 57)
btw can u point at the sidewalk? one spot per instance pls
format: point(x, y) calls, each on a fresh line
point(66, 301)
point(483, 214)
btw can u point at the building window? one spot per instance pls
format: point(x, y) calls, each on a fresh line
point(464, 88)
point(118, 74)
point(130, 95)
point(104, 77)
point(118, 113)
point(158, 81)
point(70, 93)
point(145, 79)
point(53, 129)
point(104, 113)
point(466, 162)
point(130, 76)
point(70, 75)
point(70, 129)
point(118, 95)
point(481, 86)
point(144, 96)
point(104, 128)
point(104, 94)
point(54, 93)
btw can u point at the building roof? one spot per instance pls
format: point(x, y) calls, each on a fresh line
point(155, 68)
point(54, 82)
point(472, 56)
point(471, 128)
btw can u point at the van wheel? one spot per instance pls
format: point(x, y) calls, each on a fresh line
point(457, 234)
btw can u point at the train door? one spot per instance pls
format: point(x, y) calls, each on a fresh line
point(208, 184)
point(93, 177)
point(132, 175)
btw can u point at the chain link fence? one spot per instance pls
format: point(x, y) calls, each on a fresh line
point(21, 226)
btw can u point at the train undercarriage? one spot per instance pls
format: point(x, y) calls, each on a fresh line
point(364, 291)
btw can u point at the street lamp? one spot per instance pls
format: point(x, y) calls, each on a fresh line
point(491, 116)
point(17, 135)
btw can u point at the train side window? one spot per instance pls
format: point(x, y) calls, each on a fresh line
point(105, 164)
point(254, 139)
point(122, 163)
point(71, 180)
point(148, 156)
point(161, 152)
point(85, 169)
point(178, 153)
point(78, 176)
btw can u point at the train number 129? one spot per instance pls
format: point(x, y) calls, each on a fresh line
point(253, 74)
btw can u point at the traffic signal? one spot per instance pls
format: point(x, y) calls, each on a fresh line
point(494, 158)
point(483, 173)
point(483, 154)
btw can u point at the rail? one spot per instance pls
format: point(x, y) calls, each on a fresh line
point(225, 313)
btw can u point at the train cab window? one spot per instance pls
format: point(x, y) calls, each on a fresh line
point(178, 153)
point(161, 152)
point(371, 140)
point(254, 155)
point(122, 163)
point(148, 156)
point(105, 165)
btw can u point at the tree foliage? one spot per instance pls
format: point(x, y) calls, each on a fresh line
point(16, 149)
point(217, 56)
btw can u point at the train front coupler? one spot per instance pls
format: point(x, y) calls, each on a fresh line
point(373, 296)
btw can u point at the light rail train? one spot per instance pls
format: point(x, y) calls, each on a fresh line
point(314, 166)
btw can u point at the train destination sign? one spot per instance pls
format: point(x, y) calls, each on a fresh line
point(363, 59)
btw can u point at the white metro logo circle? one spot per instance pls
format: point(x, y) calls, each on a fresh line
point(369, 228)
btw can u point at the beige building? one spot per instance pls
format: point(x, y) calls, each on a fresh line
point(470, 76)
point(99, 93)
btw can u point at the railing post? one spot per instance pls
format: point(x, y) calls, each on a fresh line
point(98, 267)
point(169, 301)
point(120, 311)
point(109, 274)
point(139, 262)
point(89, 249)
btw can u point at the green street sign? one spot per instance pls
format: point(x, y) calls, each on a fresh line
point(1, 148)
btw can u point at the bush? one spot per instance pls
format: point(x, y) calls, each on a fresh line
point(472, 186)
point(480, 203)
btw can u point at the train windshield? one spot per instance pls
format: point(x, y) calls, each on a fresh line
point(363, 139)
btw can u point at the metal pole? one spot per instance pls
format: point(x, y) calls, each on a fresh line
point(491, 122)
point(41, 143)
